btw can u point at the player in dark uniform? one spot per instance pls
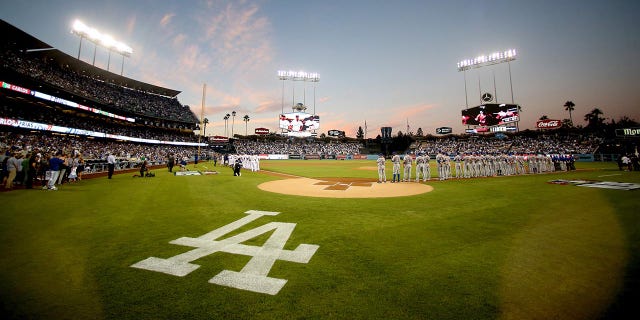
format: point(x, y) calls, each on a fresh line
point(237, 166)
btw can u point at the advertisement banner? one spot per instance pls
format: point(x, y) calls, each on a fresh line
point(444, 130)
point(548, 124)
point(261, 131)
point(278, 157)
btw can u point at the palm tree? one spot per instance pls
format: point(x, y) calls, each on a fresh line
point(226, 121)
point(569, 106)
point(233, 120)
point(246, 121)
point(593, 118)
point(204, 131)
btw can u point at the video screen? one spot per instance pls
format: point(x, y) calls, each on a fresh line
point(490, 115)
point(299, 122)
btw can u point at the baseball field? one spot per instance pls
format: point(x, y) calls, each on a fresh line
point(320, 239)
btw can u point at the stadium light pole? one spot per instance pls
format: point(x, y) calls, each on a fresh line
point(246, 122)
point(282, 76)
point(233, 121)
point(109, 60)
point(80, 46)
point(95, 48)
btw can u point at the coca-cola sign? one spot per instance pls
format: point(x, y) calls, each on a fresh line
point(548, 124)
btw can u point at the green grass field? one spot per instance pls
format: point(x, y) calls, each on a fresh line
point(485, 248)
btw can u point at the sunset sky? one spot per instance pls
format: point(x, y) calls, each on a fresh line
point(388, 63)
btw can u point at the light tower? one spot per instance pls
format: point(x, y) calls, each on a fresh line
point(299, 76)
point(84, 32)
point(487, 99)
point(487, 60)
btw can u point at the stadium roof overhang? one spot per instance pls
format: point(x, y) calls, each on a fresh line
point(33, 46)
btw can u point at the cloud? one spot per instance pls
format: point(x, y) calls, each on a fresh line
point(413, 111)
point(191, 59)
point(269, 106)
point(226, 45)
point(179, 40)
point(131, 25)
point(238, 36)
point(166, 19)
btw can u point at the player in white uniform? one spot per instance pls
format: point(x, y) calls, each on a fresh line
point(447, 167)
point(407, 161)
point(458, 161)
point(420, 168)
point(256, 160)
point(440, 164)
point(396, 168)
point(382, 176)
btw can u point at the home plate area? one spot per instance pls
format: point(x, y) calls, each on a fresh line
point(332, 185)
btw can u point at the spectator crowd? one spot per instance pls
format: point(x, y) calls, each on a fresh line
point(297, 146)
point(117, 97)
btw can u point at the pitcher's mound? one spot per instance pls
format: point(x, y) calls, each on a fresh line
point(344, 188)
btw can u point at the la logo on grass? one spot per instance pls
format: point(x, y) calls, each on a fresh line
point(254, 276)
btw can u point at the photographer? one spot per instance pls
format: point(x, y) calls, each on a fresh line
point(143, 168)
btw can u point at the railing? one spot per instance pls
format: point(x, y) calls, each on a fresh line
point(98, 166)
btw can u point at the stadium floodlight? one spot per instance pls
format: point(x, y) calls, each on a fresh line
point(487, 60)
point(298, 76)
point(85, 32)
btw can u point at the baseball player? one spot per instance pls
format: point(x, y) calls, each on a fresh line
point(427, 166)
point(440, 164)
point(382, 176)
point(458, 161)
point(396, 168)
point(420, 167)
point(407, 161)
point(446, 167)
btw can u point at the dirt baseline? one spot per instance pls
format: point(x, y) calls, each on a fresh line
point(344, 188)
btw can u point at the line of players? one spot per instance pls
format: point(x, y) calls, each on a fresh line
point(247, 162)
point(470, 165)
